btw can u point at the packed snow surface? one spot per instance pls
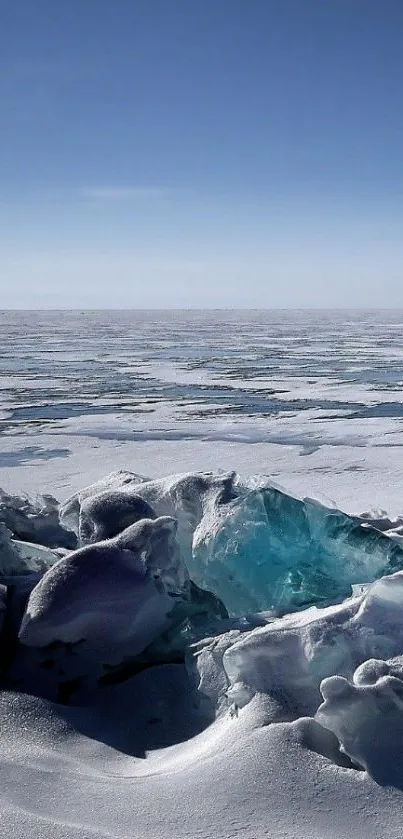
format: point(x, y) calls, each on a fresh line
point(199, 656)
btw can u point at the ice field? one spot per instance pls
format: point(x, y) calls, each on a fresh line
point(318, 394)
point(201, 575)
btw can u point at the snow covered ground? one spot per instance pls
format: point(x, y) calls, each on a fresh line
point(238, 779)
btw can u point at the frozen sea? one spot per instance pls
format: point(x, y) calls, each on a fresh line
point(256, 727)
point(311, 398)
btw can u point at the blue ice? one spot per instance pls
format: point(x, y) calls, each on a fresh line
point(270, 551)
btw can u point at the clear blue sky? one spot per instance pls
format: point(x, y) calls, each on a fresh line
point(201, 153)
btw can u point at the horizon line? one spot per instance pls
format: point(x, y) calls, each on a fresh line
point(206, 309)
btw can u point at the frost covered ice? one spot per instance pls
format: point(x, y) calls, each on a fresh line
point(123, 672)
point(287, 659)
point(119, 590)
point(18, 557)
point(35, 521)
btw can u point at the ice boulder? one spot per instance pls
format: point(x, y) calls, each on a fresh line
point(9, 556)
point(268, 550)
point(69, 512)
point(34, 521)
point(109, 513)
point(255, 546)
point(366, 715)
point(20, 558)
point(287, 659)
point(189, 498)
point(104, 612)
point(133, 589)
point(120, 591)
point(122, 498)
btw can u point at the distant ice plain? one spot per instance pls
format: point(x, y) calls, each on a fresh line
point(312, 398)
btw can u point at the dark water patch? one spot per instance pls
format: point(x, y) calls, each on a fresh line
point(383, 409)
point(30, 453)
point(66, 410)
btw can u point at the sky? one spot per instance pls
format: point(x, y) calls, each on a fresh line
point(201, 153)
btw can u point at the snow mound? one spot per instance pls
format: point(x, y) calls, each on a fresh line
point(366, 715)
point(107, 514)
point(69, 512)
point(116, 591)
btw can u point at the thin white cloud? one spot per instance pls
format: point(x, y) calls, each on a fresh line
point(123, 193)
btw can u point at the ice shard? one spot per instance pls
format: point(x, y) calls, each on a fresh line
point(270, 551)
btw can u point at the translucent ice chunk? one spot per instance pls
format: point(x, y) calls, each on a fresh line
point(268, 550)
